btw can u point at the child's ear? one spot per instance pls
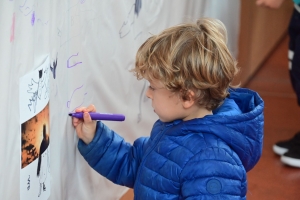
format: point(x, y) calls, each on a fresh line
point(190, 101)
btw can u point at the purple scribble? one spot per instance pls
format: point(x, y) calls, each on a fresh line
point(77, 63)
point(78, 94)
point(32, 18)
point(25, 10)
point(81, 1)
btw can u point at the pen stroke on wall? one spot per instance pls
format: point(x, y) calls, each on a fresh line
point(128, 23)
point(77, 98)
point(74, 63)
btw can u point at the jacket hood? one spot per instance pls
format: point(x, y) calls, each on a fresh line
point(242, 116)
point(239, 121)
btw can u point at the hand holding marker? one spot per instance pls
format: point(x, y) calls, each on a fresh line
point(100, 116)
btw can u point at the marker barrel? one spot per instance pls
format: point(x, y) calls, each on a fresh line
point(100, 116)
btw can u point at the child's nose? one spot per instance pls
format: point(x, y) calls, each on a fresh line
point(149, 93)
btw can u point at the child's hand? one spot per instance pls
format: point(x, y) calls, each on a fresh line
point(85, 127)
point(269, 3)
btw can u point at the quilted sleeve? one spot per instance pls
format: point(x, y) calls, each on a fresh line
point(112, 157)
point(213, 173)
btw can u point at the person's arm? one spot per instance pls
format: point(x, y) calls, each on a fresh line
point(111, 156)
point(213, 174)
point(270, 3)
point(106, 151)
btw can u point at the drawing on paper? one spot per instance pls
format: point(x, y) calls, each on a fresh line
point(35, 133)
point(43, 162)
point(38, 89)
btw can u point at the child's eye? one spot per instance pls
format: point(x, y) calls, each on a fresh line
point(151, 88)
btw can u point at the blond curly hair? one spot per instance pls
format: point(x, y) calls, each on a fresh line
point(190, 57)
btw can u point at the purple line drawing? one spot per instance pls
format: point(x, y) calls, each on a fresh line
point(29, 7)
point(32, 18)
point(25, 8)
point(77, 99)
point(76, 63)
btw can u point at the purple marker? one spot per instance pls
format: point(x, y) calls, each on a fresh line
point(100, 116)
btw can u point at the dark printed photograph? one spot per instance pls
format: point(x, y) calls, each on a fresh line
point(35, 137)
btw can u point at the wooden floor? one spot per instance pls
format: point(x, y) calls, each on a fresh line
point(270, 179)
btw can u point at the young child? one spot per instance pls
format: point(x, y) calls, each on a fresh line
point(208, 135)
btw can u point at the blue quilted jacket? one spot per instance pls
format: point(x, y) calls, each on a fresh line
point(205, 158)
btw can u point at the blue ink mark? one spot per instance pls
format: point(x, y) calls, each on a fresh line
point(53, 69)
point(137, 7)
point(138, 35)
point(126, 26)
point(128, 23)
point(77, 63)
point(28, 183)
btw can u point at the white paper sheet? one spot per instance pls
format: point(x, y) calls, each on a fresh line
point(35, 134)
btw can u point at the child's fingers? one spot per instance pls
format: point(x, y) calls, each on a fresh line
point(76, 121)
point(80, 109)
point(91, 108)
point(87, 118)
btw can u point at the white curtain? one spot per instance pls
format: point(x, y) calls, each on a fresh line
point(94, 43)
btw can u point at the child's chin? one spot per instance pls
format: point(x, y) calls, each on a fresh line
point(164, 120)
